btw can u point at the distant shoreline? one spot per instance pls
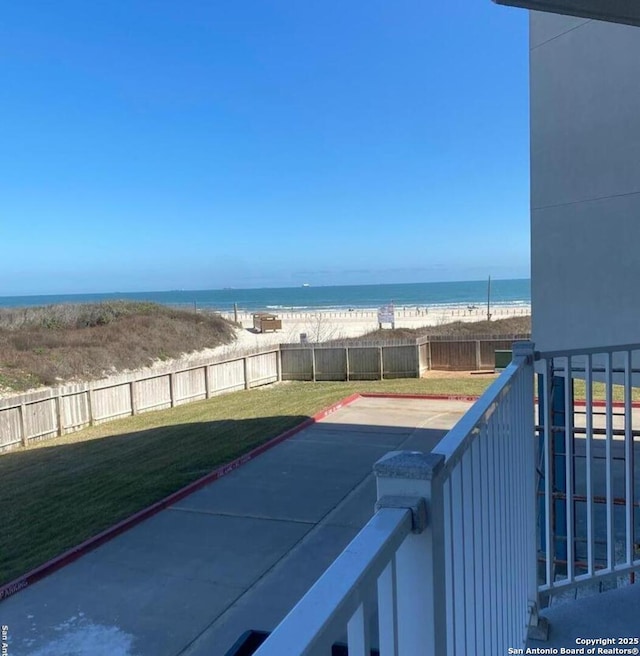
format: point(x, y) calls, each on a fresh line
point(336, 299)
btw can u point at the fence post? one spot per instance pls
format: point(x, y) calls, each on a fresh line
point(90, 406)
point(59, 412)
point(23, 424)
point(313, 364)
point(172, 389)
point(132, 395)
point(207, 384)
point(478, 356)
point(346, 358)
point(381, 363)
point(279, 364)
point(420, 561)
point(245, 368)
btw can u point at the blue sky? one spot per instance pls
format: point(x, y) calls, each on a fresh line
point(151, 145)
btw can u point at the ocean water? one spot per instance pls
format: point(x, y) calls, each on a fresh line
point(428, 294)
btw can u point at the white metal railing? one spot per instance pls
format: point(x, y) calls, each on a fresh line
point(463, 581)
point(488, 494)
point(589, 498)
point(343, 598)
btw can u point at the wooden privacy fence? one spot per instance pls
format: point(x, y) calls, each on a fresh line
point(57, 411)
point(401, 359)
point(464, 354)
point(319, 362)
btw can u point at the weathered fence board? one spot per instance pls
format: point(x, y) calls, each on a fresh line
point(189, 385)
point(262, 369)
point(75, 410)
point(226, 377)
point(10, 427)
point(111, 402)
point(331, 363)
point(152, 393)
point(454, 356)
point(365, 363)
point(41, 419)
point(297, 364)
point(401, 362)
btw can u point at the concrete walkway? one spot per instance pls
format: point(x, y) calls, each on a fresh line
point(614, 614)
point(233, 556)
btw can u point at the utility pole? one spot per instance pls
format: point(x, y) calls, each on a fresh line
point(489, 300)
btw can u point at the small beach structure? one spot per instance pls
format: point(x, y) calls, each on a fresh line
point(264, 321)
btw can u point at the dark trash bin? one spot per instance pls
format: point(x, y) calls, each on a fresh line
point(247, 644)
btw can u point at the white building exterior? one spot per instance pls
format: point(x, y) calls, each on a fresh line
point(585, 181)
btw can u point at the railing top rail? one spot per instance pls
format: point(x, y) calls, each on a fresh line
point(457, 440)
point(563, 353)
point(336, 595)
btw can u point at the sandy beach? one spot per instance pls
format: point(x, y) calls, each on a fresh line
point(320, 326)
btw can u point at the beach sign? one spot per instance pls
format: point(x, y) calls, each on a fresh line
point(386, 314)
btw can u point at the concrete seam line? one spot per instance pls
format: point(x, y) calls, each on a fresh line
point(74, 553)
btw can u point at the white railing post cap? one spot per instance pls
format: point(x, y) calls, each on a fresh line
point(409, 464)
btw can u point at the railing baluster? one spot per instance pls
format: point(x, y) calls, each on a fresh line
point(358, 637)
point(502, 546)
point(512, 497)
point(628, 457)
point(388, 610)
point(509, 498)
point(450, 573)
point(548, 500)
point(468, 541)
point(457, 501)
point(516, 484)
point(486, 544)
point(530, 491)
point(609, 461)
point(589, 465)
point(478, 530)
point(568, 460)
point(493, 535)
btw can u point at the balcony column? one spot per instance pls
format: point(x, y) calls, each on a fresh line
point(416, 622)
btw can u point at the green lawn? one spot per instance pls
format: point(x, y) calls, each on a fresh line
point(57, 493)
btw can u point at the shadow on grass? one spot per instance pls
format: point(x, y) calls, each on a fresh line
point(56, 496)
